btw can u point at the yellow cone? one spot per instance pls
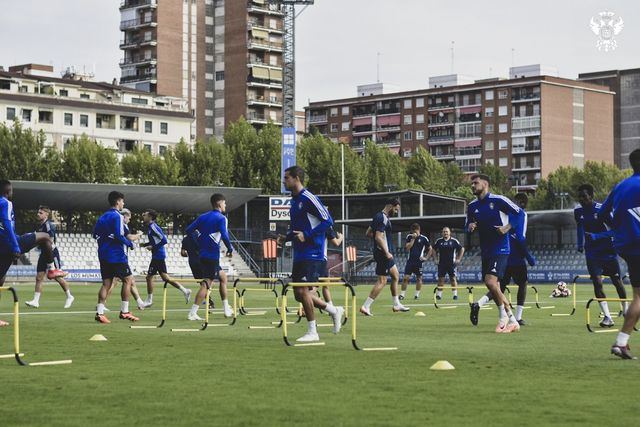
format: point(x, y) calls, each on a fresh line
point(98, 337)
point(442, 365)
point(420, 314)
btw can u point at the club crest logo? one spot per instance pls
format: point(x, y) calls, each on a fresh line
point(606, 27)
point(491, 205)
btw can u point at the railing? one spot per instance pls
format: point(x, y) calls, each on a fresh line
point(245, 255)
point(256, 80)
point(526, 148)
point(440, 138)
point(388, 128)
point(127, 4)
point(136, 22)
point(262, 26)
point(440, 123)
point(270, 100)
point(525, 96)
point(389, 142)
point(263, 118)
point(525, 124)
point(133, 41)
point(318, 119)
point(137, 60)
point(468, 151)
point(257, 43)
point(363, 113)
point(138, 77)
point(442, 105)
point(383, 111)
point(271, 8)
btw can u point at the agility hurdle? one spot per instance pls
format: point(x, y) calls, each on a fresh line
point(16, 336)
point(164, 312)
point(538, 305)
point(588, 314)
point(444, 306)
point(206, 323)
point(270, 284)
point(283, 314)
point(573, 291)
point(535, 291)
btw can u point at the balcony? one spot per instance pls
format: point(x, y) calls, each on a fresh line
point(525, 149)
point(265, 45)
point(139, 78)
point(443, 155)
point(440, 139)
point(317, 118)
point(278, 28)
point(526, 168)
point(470, 151)
point(525, 126)
point(442, 106)
point(269, 9)
point(138, 23)
point(525, 97)
point(362, 130)
point(136, 42)
point(388, 110)
point(256, 82)
point(271, 101)
point(137, 61)
point(388, 129)
point(253, 117)
point(130, 4)
point(438, 124)
point(388, 142)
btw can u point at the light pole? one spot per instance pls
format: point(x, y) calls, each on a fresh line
point(342, 143)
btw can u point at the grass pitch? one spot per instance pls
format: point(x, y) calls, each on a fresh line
point(553, 372)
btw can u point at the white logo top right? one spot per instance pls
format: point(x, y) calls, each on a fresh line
point(606, 26)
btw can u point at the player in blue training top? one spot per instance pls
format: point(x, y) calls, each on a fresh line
point(489, 215)
point(308, 228)
point(600, 255)
point(416, 244)
point(156, 244)
point(621, 210)
point(380, 231)
point(111, 234)
point(209, 229)
point(450, 253)
point(46, 226)
point(517, 262)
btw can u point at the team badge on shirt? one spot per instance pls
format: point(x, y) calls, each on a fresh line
point(491, 205)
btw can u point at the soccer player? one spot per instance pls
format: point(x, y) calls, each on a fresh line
point(517, 262)
point(210, 228)
point(450, 253)
point(416, 243)
point(335, 238)
point(189, 248)
point(489, 215)
point(112, 239)
point(307, 231)
point(46, 226)
point(621, 210)
point(380, 230)
point(156, 244)
point(9, 247)
point(600, 254)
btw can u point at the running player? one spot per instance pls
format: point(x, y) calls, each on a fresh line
point(211, 228)
point(307, 231)
point(600, 254)
point(111, 235)
point(380, 230)
point(46, 226)
point(189, 248)
point(156, 244)
point(450, 253)
point(9, 247)
point(416, 243)
point(488, 214)
point(621, 210)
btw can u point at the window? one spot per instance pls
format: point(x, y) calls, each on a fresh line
point(489, 161)
point(488, 95)
point(219, 76)
point(139, 101)
point(407, 103)
point(488, 129)
point(164, 128)
point(105, 121)
point(147, 148)
point(419, 134)
point(502, 110)
point(45, 116)
point(148, 126)
point(345, 126)
point(419, 118)
point(84, 96)
point(334, 111)
point(488, 145)
point(84, 120)
point(26, 115)
point(5, 84)
point(129, 123)
point(407, 119)
point(502, 162)
point(63, 92)
point(23, 89)
point(345, 111)
point(407, 136)
point(536, 109)
point(68, 119)
point(503, 144)
point(502, 94)
point(334, 127)
point(488, 112)
point(419, 102)
point(162, 150)
point(503, 128)
point(11, 113)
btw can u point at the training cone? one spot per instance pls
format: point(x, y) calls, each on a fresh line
point(420, 314)
point(98, 337)
point(442, 365)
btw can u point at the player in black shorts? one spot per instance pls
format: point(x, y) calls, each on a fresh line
point(450, 253)
point(416, 244)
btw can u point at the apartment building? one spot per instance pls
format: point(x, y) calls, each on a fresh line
point(223, 56)
point(626, 109)
point(529, 124)
point(117, 117)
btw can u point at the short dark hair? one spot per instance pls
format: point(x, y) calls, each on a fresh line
point(587, 188)
point(296, 172)
point(114, 196)
point(481, 176)
point(44, 208)
point(152, 213)
point(393, 201)
point(521, 197)
point(4, 184)
point(215, 198)
point(415, 226)
point(634, 159)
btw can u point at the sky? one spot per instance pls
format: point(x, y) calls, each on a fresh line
point(338, 41)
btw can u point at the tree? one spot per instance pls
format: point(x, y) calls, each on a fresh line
point(24, 155)
point(208, 163)
point(142, 167)
point(268, 153)
point(426, 172)
point(384, 169)
point(85, 160)
point(498, 179)
point(241, 140)
point(320, 158)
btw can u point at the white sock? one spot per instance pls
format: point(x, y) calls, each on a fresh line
point(68, 293)
point(455, 292)
point(368, 302)
point(225, 303)
point(182, 289)
point(502, 313)
point(312, 327)
point(512, 318)
point(124, 306)
point(622, 339)
point(417, 293)
point(519, 309)
point(140, 302)
point(396, 300)
point(100, 309)
point(329, 302)
point(439, 293)
point(150, 298)
point(403, 293)
point(50, 266)
point(330, 309)
point(605, 309)
point(36, 297)
point(194, 310)
point(484, 300)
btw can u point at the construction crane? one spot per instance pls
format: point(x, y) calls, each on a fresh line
point(288, 60)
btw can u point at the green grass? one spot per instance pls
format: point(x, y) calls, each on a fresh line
point(552, 372)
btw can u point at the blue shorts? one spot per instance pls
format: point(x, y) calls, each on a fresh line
point(210, 268)
point(307, 271)
point(633, 268)
point(413, 267)
point(446, 269)
point(383, 264)
point(324, 269)
point(196, 268)
point(109, 270)
point(602, 267)
point(156, 266)
point(42, 262)
point(27, 242)
point(495, 265)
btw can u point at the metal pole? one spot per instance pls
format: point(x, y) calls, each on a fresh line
point(343, 213)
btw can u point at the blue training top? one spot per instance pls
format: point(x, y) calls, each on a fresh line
point(589, 220)
point(8, 239)
point(447, 250)
point(308, 215)
point(417, 250)
point(381, 223)
point(489, 212)
point(111, 235)
point(209, 229)
point(621, 210)
point(157, 241)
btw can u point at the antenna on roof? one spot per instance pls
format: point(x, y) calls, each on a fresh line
point(453, 43)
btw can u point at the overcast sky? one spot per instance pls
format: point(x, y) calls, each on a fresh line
point(338, 40)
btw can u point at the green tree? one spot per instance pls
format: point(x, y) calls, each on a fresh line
point(85, 160)
point(320, 158)
point(207, 163)
point(498, 179)
point(142, 167)
point(384, 169)
point(268, 151)
point(24, 155)
point(241, 139)
point(426, 172)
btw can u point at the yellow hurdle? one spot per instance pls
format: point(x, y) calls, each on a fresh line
point(269, 285)
point(206, 323)
point(573, 291)
point(435, 299)
point(588, 314)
